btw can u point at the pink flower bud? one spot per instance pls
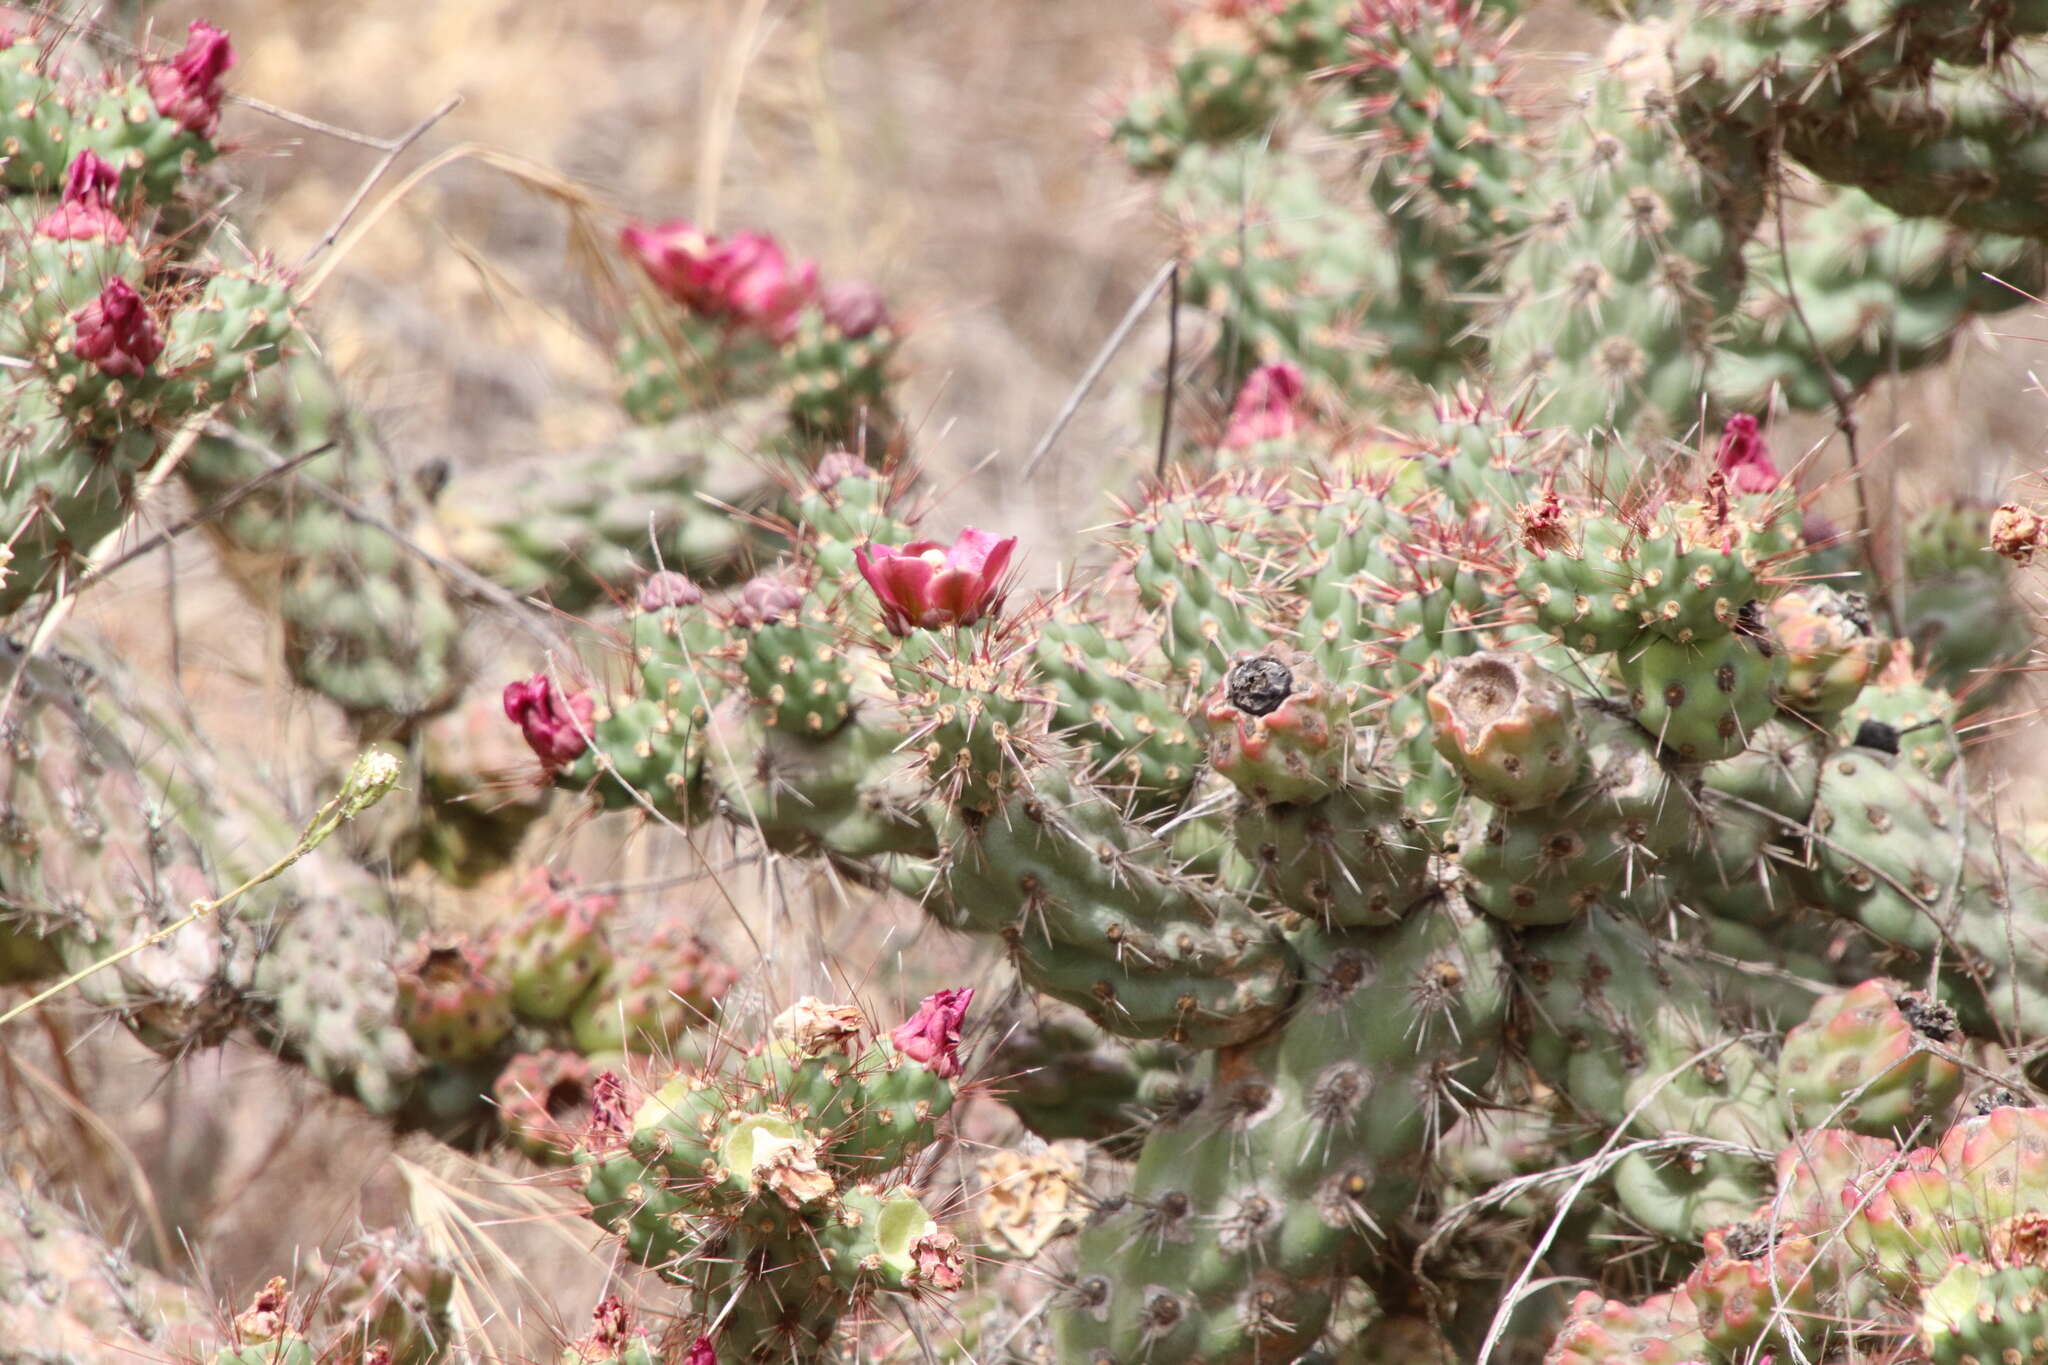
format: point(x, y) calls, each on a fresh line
point(187, 87)
point(555, 724)
point(1268, 407)
point(932, 1035)
point(115, 331)
point(1744, 459)
point(701, 1352)
point(765, 600)
point(855, 307)
point(926, 585)
point(838, 465)
point(669, 589)
point(86, 213)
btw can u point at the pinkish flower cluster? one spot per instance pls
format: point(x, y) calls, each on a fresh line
point(556, 724)
point(744, 280)
point(1268, 407)
point(115, 331)
point(86, 212)
point(187, 87)
point(1744, 459)
point(928, 586)
point(932, 1035)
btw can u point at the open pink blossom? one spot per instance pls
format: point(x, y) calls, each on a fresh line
point(115, 331)
point(1268, 407)
point(555, 724)
point(1745, 459)
point(86, 212)
point(187, 87)
point(745, 279)
point(928, 585)
point(677, 258)
point(761, 287)
point(932, 1035)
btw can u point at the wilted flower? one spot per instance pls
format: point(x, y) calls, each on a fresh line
point(86, 213)
point(701, 1353)
point(815, 1028)
point(1744, 459)
point(928, 585)
point(932, 1035)
point(115, 331)
point(556, 725)
point(1268, 407)
point(187, 87)
point(937, 1261)
point(2017, 532)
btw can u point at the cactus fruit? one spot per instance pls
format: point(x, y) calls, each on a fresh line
point(544, 1102)
point(643, 1003)
point(1277, 730)
point(1871, 1060)
point(551, 953)
point(450, 1005)
point(1510, 729)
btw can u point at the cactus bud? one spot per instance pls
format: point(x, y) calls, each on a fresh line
point(854, 307)
point(1268, 407)
point(926, 585)
point(765, 600)
point(1743, 458)
point(1509, 727)
point(86, 213)
point(187, 87)
point(115, 331)
point(932, 1035)
point(556, 725)
point(669, 589)
point(837, 466)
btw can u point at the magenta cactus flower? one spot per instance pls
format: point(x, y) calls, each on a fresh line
point(701, 1352)
point(761, 287)
point(745, 279)
point(932, 1035)
point(677, 258)
point(115, 331)
point(926, 585)
point(187, 87)
point(86, 212)
point(1268, 407)
point(1744, 458)
point(555, 724)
